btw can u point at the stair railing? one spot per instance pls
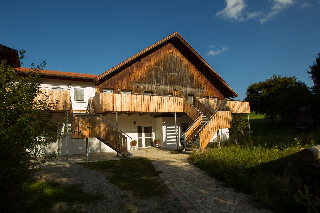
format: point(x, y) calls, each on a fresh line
point(192, 112)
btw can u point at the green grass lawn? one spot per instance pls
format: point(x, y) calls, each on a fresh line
point(135, 174)
point(267, 168)
point(262, 126)
point(44, 196)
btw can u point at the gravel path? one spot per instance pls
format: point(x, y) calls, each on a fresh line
point(192, 190)
point(95, 182)
point(196, 190)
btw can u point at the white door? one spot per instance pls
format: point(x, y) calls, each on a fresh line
point(144, 136)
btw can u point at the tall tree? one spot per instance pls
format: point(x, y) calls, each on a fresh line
point(264, 96)
point(25, 127)
point(315, 75)
point(297, 98)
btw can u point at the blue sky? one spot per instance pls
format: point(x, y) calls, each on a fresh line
point(245, 41)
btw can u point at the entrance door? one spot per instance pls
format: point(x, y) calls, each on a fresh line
point(144, 136)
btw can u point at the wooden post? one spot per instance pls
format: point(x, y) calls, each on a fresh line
point(87, 149)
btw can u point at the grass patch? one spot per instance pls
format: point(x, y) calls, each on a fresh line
point(267, 168)
point(44, 196)
point(135, 174)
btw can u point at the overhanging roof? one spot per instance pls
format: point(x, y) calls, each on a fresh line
point(68, 75)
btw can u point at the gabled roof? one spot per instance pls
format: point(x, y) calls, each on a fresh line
point(70, 75)
point(177, 40)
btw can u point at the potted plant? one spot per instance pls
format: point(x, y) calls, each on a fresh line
point(134, 143)
point(156, 142)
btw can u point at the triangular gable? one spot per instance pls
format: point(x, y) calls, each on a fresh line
point(182, 45)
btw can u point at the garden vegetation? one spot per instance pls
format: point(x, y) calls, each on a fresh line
point(266, 168)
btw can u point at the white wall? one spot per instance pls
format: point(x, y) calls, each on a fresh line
point(127, 125)
point(89, 90)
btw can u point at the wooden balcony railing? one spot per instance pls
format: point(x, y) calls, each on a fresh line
point(58, 100)
point(226, 105)
point(109, 102)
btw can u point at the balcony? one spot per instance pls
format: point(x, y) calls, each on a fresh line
point(58, 100)
point(110, 102)
point(226, 105)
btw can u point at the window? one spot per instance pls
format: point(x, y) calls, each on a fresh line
point(190, 99)
point(126, 91)
point(78, 94)
point(147, 92)
point(57, 88)
point(107, 91)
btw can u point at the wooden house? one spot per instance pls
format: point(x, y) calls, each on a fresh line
point(167, 91)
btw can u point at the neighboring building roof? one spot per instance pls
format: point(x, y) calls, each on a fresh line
point(176, 39)
point(60, 74)
point(10, 55)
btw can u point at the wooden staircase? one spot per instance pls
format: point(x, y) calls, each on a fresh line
point(96, 126)
point(202, 130)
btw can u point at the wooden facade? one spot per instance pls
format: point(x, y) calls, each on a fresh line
point(58, 100)
point(162, 71)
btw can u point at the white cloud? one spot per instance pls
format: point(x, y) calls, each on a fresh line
point(217, 52)
point(306, 5)
point(277, 7)
point(318, 2)
point(254, 15)
point(211, 46)
point(233, 10)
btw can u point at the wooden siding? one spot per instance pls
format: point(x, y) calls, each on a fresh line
point(226, 105)
point(59, 100)
point(220, 120)
point(96, 126)
point(165, 70)
point(108, 102)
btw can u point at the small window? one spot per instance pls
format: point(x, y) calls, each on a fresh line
point(126, 91)
point(57, 88)
point(107, 91)
point(78, 94)
point(147, 93)
point(190, 99)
